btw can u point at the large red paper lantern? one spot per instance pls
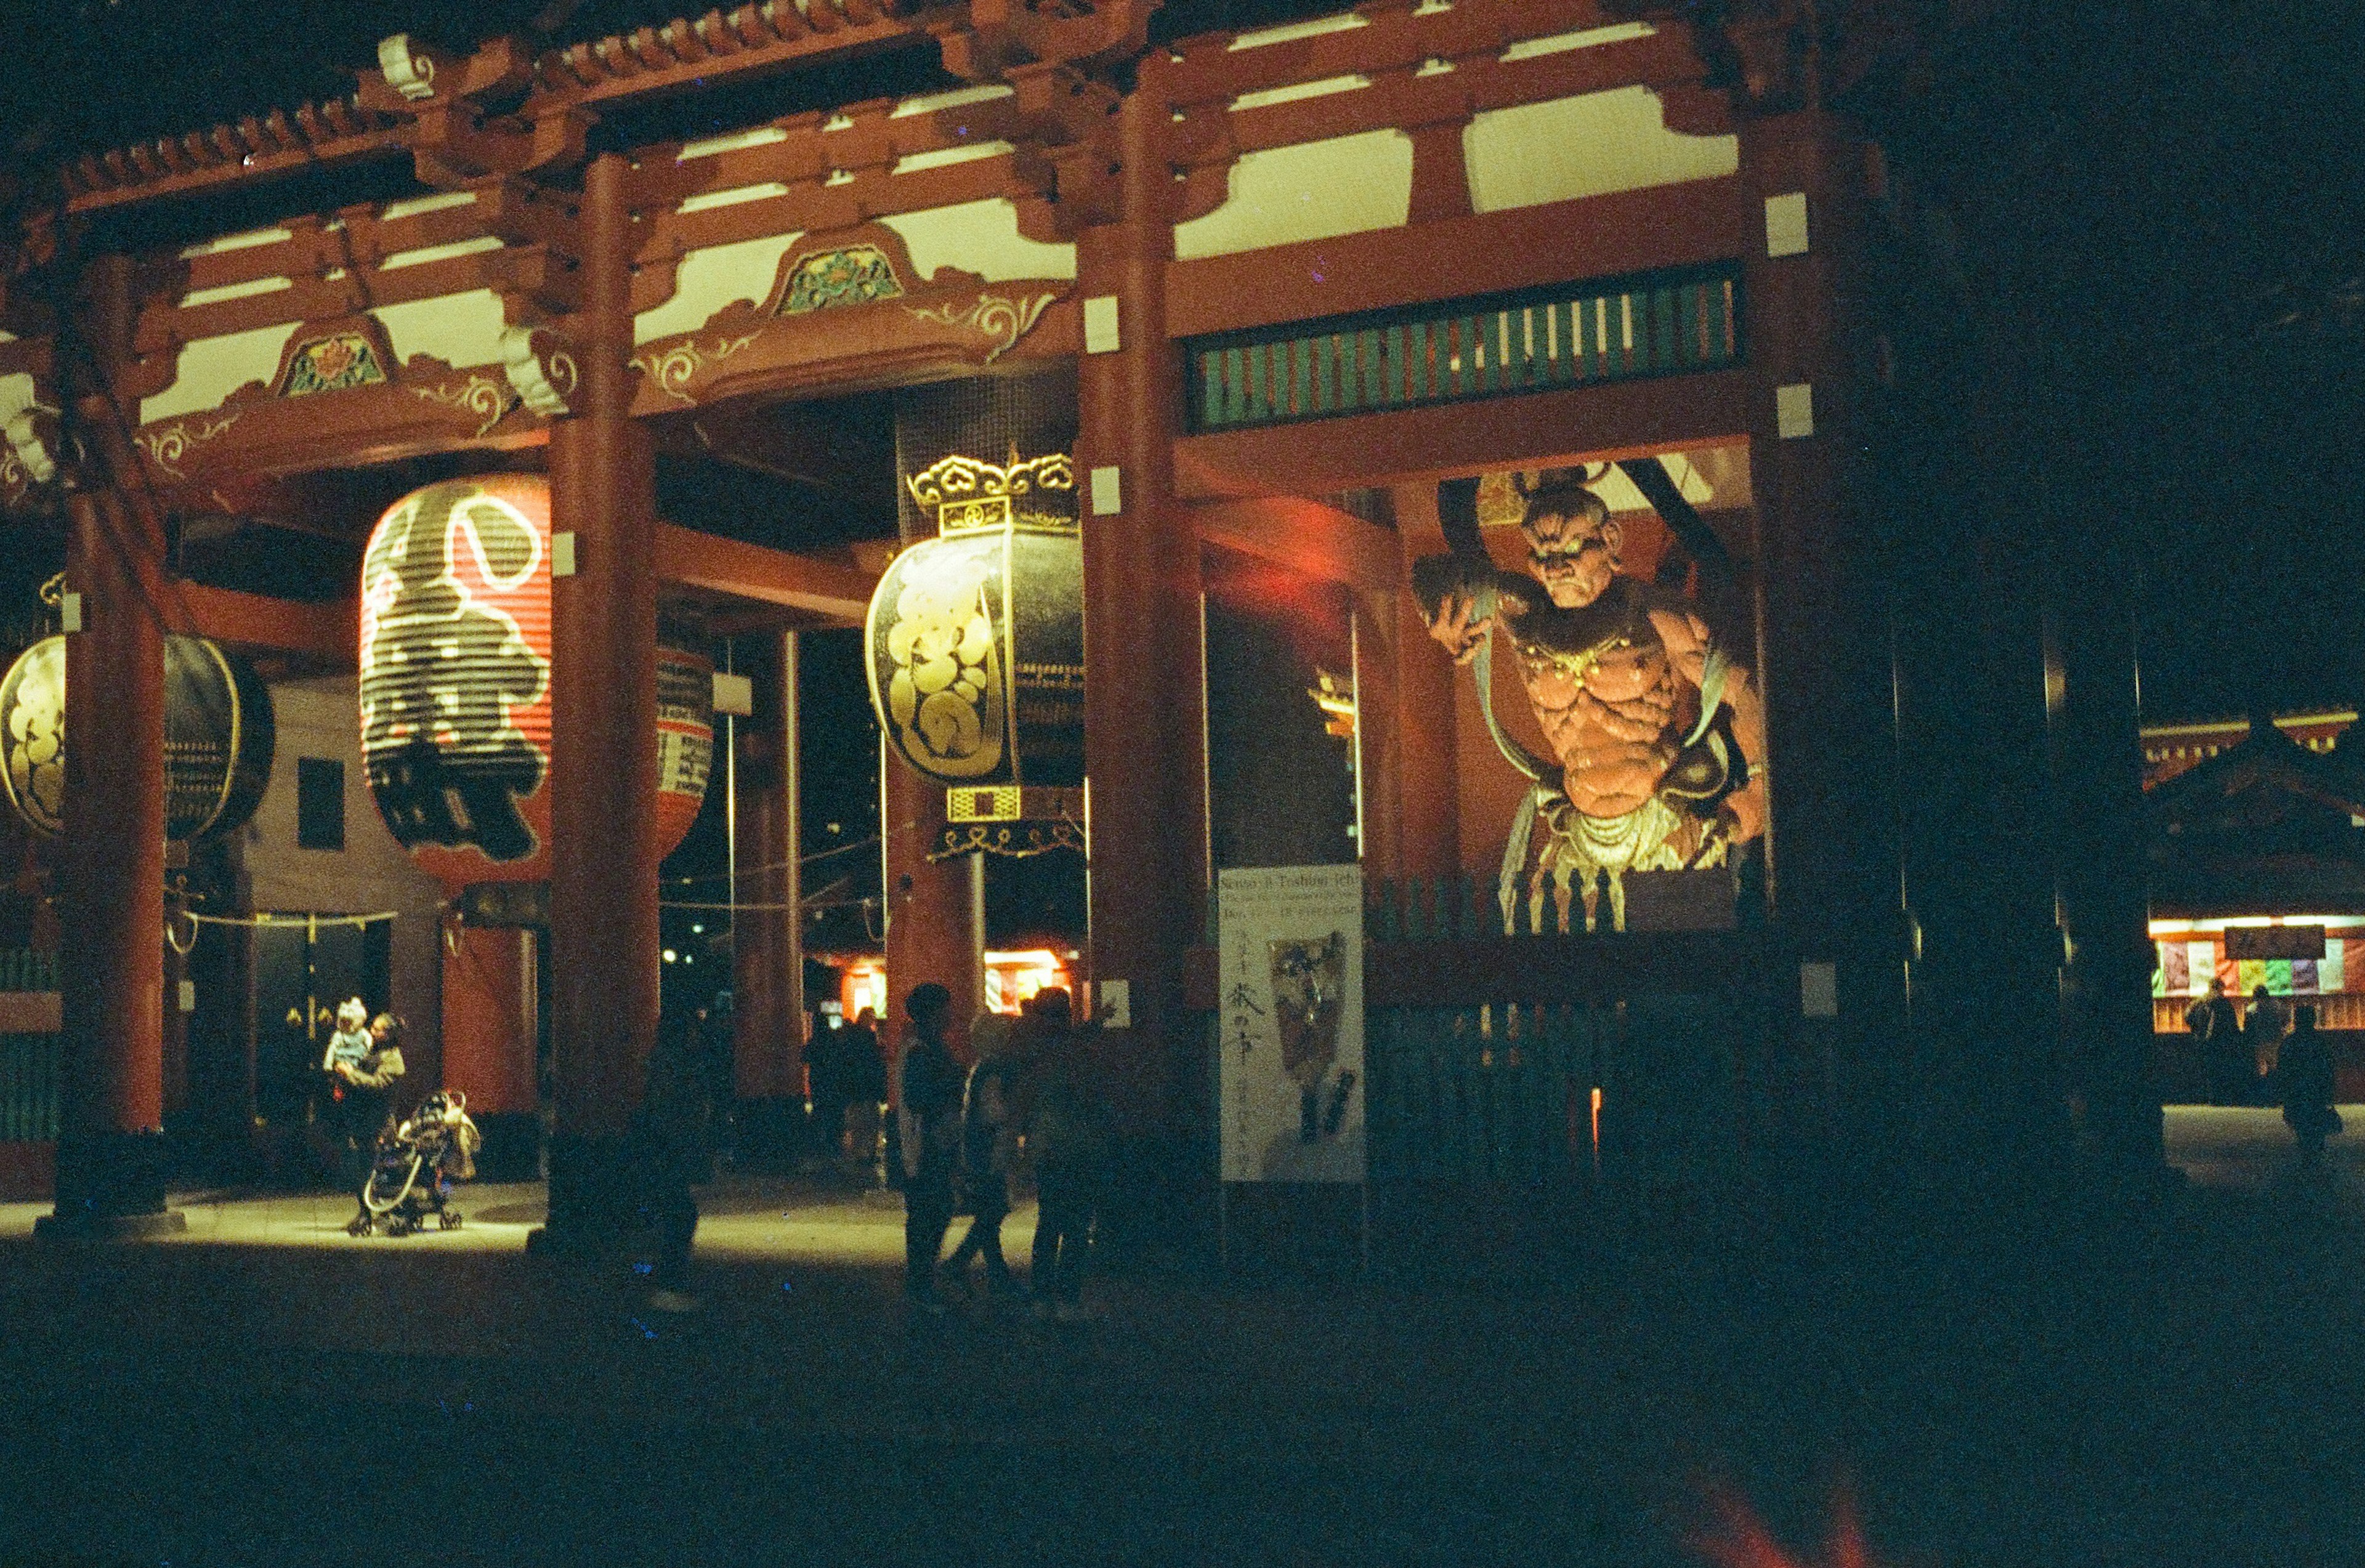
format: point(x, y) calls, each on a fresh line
point(455, 651)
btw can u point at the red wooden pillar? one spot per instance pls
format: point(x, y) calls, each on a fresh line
point(1378, 755)
point(1144, 710)
point(489, 1024)
point(1831, 846)
point(110, 1170)
point(928, 924)
point(1428, 787)
point(767, 949)
point(604, 894)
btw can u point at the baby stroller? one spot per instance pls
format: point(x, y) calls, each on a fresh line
point(416, 1165)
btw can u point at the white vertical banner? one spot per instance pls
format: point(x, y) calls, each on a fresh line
point(1290, 1005)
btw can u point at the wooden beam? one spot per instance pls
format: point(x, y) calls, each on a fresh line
point(1536, 430)
point(1455, 258)
point(1306, 536)
point(688, 558)
point(328, 632)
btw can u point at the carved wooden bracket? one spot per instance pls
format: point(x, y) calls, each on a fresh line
point(543, 367)
point(1760, 52)
point(997, 36)
point(441, 106)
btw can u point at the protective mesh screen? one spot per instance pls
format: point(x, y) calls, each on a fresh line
point(985, 416)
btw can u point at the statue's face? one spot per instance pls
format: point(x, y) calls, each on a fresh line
point(1574, 555)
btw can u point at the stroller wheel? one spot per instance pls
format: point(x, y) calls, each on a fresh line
point(400, 1227)
point(361, 1226)
point(449, 1219)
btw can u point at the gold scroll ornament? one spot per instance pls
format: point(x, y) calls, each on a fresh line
point(946, 696)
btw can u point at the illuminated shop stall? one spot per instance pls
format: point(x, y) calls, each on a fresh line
point(1404, 444)
point(2257, 855)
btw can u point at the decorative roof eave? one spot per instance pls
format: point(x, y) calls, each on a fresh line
point(255, 149)
point(686, 52)
point(447, 131)
point(2267, 759)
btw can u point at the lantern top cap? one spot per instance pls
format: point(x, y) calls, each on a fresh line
point(969, 495)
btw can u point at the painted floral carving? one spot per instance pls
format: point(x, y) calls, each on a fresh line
point(167, 446)
point(998, 320)
point(331, 365)
point(479, 394)
point(855, 275)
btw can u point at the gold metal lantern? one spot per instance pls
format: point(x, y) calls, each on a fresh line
point(976, 653)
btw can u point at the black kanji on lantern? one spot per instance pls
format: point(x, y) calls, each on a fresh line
point(445, 672)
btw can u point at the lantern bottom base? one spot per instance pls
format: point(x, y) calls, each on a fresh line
point(111, 1187)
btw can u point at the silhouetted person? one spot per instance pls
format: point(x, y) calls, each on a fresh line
point(2262, 1036)
point(671, 1132)
point(927, 1116)
point(2217, 1031)
point(366, 1089)
point(2303, 1075)
point(989, 1131)
point(864, 1084)
point(1067, 1135)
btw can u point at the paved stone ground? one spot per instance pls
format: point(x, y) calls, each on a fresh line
point(2182, 1387)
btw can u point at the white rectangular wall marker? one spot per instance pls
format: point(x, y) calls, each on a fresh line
point(1100, 325)
point(1116, 1004)
point(734, 695)
point(70, 612)
point(562, 555)
point(1794, 410)
point(1786, 224)
point(188, 998)
point(1819, 990)
point(1108, 495)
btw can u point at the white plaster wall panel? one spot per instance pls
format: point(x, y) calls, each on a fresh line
point(320, 718)
point(945, 157)
point(444, 253)
point(707, 279)
point(1290, 32)
point(417, 205)
point(737, 140)
point(980, 237)
point(1594, 144)
point(18, 391)
point(243, 290)
point(1586, 37)
point(1315, 190)
point(245, 241)
point(211, 369)
point(958, 97)
point(461, 330)
point(705, 201)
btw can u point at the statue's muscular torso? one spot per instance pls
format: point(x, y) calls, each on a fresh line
point(1605, 691)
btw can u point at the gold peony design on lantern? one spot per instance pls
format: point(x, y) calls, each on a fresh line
point(35, 701)
point(945, 694)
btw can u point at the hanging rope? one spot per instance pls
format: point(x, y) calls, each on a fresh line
point(311, 922)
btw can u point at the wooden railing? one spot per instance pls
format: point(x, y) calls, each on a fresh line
point(29, 1087)
point(30, 1045)
point(1571, 335)
point(27, 968)
point(1551, 1097)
